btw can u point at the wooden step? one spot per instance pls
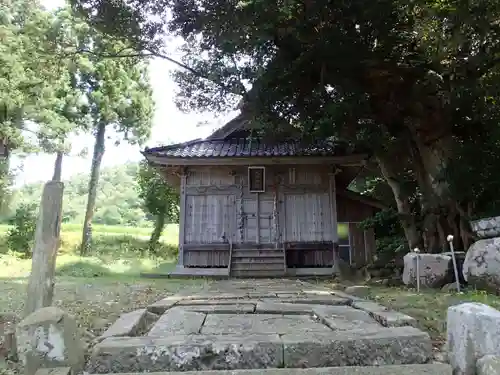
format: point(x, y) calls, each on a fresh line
point(259, 260)
point(259, 254)
point(258, 266)
point(257, 273)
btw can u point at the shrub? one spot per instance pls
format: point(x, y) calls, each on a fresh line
point(21, 236)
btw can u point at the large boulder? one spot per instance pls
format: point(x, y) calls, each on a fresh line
point(433, 269)
point(481, 267)
point(473, 331)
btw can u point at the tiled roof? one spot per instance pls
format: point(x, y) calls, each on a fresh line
point(240, 147)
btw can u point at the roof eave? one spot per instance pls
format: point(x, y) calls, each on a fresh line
point(358, 159)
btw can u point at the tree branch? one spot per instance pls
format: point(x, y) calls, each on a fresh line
point(150, 53)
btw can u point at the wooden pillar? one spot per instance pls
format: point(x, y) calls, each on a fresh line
point(48, 226)
point(182, 218)
point(257, 215)
point(333, 212)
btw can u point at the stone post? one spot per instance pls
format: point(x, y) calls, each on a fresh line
point(41, 281)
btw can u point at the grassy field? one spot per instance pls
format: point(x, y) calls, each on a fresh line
point(170, 233)
point(116, 251)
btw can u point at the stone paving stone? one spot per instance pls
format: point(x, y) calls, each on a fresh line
point(260, 323)
point(368, 306)
point(394, 319)
point(386, 317)
point(311, 300)
point(426, 369)
point(178, 321)
point(127, 324)
point(241, 308)
point(163, 305)
point(185, 353)
point(270, 307)
point(345, 318)
point(258, 295)
point(384, 346)
point(193, 302)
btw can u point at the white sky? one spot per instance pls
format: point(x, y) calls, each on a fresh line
point(169, 126)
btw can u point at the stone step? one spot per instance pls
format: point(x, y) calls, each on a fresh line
point(250, 266)
point(316, 348)
point(427, 369)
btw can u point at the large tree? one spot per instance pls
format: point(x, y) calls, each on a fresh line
point(414, 82)
point(38, 103)
point(118, 96)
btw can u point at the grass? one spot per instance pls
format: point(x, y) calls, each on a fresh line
point(95, 302)
point(170, 232)
point(113, 253)
point(100, 287)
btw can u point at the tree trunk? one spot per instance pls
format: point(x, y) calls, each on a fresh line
point(5, 182)
point(157, 231)
point(41, 281)
point(403, 205)
point(94, 180)
point(58, 167)
point(441, 213)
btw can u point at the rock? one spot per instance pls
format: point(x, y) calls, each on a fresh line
point(358, 290)
point(49, 338)
point(488, 365)
point(473, 331)
point(481, 267)
point(487, 227)
point(433, 269)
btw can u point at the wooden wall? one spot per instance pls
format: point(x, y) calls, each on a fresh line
point(362, 242)
point(294, 212)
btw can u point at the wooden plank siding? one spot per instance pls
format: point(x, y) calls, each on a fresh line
point(295, 213)
point(362, 242)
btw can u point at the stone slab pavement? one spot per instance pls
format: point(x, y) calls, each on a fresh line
point(260, 324)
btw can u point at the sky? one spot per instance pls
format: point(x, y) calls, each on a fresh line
point(170, 125)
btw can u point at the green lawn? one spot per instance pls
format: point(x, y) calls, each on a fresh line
point(170, 233)
point(116, 251)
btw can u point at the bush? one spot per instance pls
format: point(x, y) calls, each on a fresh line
point(21, 236)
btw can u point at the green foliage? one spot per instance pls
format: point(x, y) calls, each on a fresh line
point(158, 197)
point(389, 235)
point(35, 79)
point(117, 199)
point(20, 238)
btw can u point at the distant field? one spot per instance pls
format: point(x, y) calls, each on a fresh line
point(170, 233)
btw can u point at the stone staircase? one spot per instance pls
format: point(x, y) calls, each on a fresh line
point(268, 262)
